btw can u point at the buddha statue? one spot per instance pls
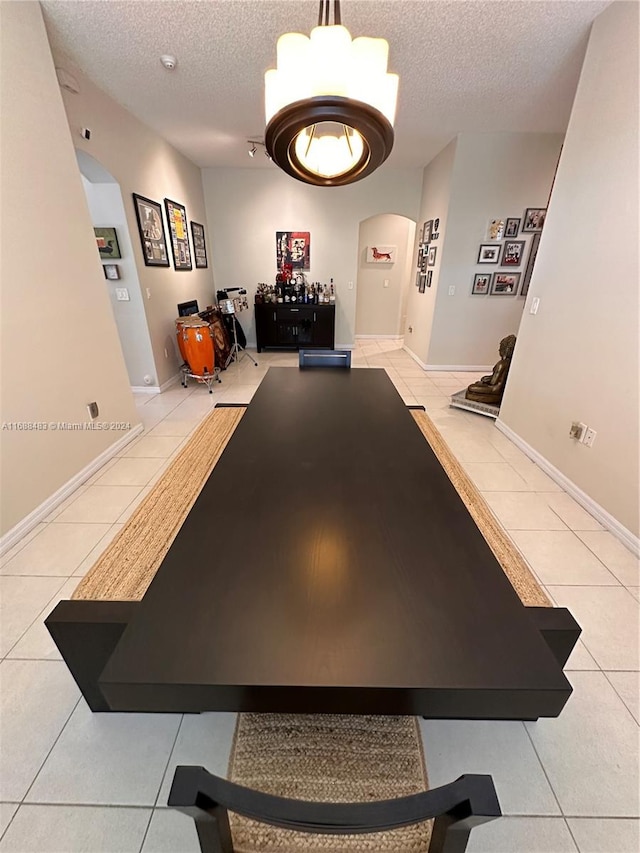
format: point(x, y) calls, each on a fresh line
point(491, 388)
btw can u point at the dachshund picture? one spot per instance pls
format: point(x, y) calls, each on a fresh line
point(381, 254)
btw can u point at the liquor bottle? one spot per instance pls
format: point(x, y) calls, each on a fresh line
point(332, 294)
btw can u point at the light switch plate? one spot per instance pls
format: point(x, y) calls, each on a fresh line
point(122, 294)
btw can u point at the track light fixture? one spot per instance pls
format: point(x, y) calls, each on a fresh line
point(255, 143)
point(330, 104)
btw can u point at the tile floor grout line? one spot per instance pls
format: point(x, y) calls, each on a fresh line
point(573, 838)
point(155, 803)
point(64, 725)
point(543, 768)
point(615, 690)
point(31, 624)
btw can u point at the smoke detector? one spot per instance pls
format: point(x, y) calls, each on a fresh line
point(168, 61)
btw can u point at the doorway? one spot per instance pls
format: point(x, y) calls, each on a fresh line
point(106, 209)
point(383, 282)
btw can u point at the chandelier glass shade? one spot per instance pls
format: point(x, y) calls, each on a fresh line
point(330, 106)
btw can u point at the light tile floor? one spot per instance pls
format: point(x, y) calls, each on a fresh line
point(74, 781)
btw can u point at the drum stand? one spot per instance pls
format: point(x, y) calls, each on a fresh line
point(208, 378)
point(236, 353)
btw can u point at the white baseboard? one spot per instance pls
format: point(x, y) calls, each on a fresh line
point(414, 357)
point(155, 389)
point(598, 512)
point(462, 368)
point(145, 389)
point(379, 337)
point(11, 537)
point(457, 368)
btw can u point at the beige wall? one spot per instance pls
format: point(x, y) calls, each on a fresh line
point(246, 207)
point(434, 204)
point(144, 163)
point(379, 308)
point(495, 175)
point(577, 358)
point(60, 347)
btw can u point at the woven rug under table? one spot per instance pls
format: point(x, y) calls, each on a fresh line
point(328, 758)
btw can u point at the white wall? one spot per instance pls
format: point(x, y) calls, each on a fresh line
point(144, 163)
point(106, 208)
point(245, 208)
point(577, 358)
point(434, 204)
point(495, 176)
point(59, 342)
point(380, 308)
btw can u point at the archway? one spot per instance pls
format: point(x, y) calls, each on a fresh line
point(385, 249)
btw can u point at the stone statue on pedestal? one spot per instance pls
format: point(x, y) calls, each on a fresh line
point(491, 388)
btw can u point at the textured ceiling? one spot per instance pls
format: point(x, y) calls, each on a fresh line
point(464, 66)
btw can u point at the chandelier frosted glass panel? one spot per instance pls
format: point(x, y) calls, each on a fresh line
point(330, 105)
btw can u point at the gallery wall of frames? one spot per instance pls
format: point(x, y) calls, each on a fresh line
point(511, 247)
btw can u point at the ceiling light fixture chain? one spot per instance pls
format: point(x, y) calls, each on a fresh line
point(330, 103)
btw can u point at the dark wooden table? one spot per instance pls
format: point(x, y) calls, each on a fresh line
point(329, 565)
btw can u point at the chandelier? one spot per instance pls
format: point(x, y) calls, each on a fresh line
point(330, 104)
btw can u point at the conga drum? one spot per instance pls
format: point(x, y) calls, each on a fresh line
point(198, 346)
point(180, 322)
point(221, 342)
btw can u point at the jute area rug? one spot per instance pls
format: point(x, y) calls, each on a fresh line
point(308, 757)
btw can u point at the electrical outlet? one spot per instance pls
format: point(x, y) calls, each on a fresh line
point(350, 285)
point(578, 430)
point(535, 304)
point(148, 293)
point(452, 290)
point(386, 282)
point(589, 437)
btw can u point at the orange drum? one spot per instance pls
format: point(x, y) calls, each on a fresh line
point(180, 322)
point(198, 346)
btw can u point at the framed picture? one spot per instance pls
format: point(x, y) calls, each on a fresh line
point(489, 253)
point(111, 271)
point(293, 247)
point(107, 242)
point(418, 278)
point(427, 230)
point(429, 277)
point(151, 230)
point(432, 256)
point(423, 262)
point(512, 253)
point(505, 283)
point(381, 254)
point(512, 227)
point(534, 218)
point(423, 282)
point(481, 283)
point(178, 234)
point(199, 246)
point(495, 230)
point(533, 251)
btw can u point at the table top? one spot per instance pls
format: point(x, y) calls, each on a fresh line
point(329, 557)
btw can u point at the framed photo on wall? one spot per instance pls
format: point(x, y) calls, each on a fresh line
point(107, 242)
point(534, 218)
point(489, 253)
point(481, 282)
point(505, 283)
point(429, 277)
point(178, 234)
point(533, 251)
point(427, 229)
point(512, 253)
point(432, 256)
point(151, 230)
point(199, 246)
point(293, 247)
point(512, 227)
point(423, 282)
